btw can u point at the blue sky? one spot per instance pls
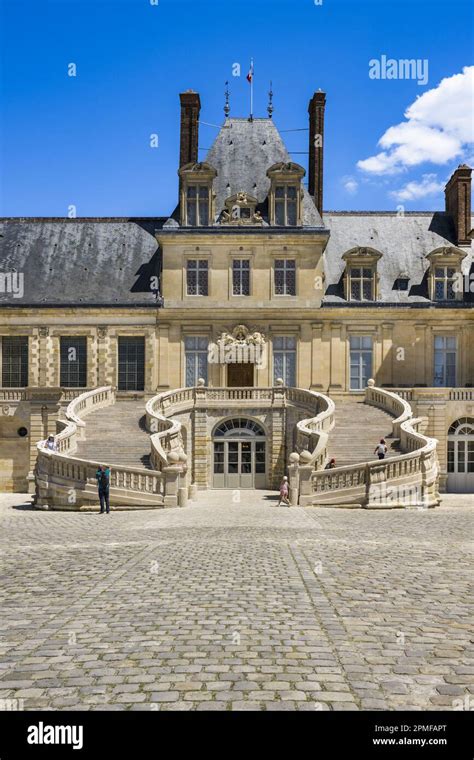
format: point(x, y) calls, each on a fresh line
point(85, 140)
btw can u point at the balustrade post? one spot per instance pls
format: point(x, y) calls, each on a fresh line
point(305, 485)
point(294, 478)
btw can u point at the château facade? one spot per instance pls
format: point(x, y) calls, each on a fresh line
point(248, 285)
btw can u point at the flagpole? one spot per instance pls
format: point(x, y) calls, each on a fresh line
point(251, 90)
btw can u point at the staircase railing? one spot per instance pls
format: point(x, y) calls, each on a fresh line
point(410, 479)
point(65, 481)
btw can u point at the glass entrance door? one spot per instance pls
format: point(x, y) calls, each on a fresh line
point(239, 455)
point(461, 456)
point(239, 464)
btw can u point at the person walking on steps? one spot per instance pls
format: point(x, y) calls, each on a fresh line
point(284, 492)
point(103, 484)
point(381, 449)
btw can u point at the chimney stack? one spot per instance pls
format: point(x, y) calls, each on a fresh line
point(189, 134)
point(316, 108)
point(457, 195)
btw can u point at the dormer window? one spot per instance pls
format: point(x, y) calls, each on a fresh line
point(361, 278)
point(196, 194)
point(361, 284)
point(197, 205)
point(445, 274)
point(286, 193)
point(286, 205)
point(444, 278)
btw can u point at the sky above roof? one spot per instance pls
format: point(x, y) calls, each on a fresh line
point(104, 142)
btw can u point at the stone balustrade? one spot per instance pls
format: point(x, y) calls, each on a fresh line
point(66, 482)
point(410, 479)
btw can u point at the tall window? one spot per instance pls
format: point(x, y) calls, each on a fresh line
point(360, 360)
point(362, 284)
point(195, 348)
point(444, 361)
point(73, 359)
point(197, 209)
point(286, 211)
point(131, 366)
point(241, 277)
point(443, 283)
point(197, 277)
point(284, 359)
point(15, 362)
point(285, 277)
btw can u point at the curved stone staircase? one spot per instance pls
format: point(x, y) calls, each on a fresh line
point(358, 429)
point(117, 435)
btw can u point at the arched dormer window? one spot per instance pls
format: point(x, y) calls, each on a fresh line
point(196, 196)
point(445, 279)
point(286, 194)
point(361, 281)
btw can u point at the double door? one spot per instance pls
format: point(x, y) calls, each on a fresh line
point(239, 464)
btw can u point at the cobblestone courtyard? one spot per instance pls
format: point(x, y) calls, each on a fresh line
point(237, 606)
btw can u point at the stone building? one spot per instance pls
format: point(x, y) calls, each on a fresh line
point(257, 299)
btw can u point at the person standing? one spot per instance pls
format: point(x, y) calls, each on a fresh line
point(381, 449)
point(103, 484)
point(284, 492)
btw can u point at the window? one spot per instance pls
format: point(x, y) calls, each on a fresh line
point(444, 279)
point(360, 361)
point(362, 284)
point(197, 277)
point(15, 362)
point(444, 361)
point(131, 364)
point(195, 348)
point(241, 277)
point(285, 277)
point(286, 211)
point(284, 359)
point(197, 205)
point(73, 361)
point(285, 196)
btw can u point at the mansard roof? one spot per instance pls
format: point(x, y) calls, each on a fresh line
point(82, 262)
point(242, 153)
point(404, 242)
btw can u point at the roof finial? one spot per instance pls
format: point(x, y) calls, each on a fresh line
point(270, 102)
point(227, 106)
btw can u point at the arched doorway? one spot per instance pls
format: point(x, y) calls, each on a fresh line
point(461, 456)
point(239, 454)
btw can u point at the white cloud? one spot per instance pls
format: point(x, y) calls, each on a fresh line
point(350, 185)
point(428, 185)
point(438, 128)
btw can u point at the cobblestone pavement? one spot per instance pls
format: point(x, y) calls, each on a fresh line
point(236, 606)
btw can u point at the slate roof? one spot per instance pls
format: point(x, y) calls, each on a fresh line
point(242, 153)
point(80, 261)
point(403, 242)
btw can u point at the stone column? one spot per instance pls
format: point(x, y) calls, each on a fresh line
point(150, 360)
point(277, 454)
point(338, 358)
point(420, 353)
point(200, 440)
point(163, 352)
point(44, 405)
point(385, 376)
point(319, 362)
point(92, 361)
point(102, 351)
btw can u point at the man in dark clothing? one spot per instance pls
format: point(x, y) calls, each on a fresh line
point(103, 483)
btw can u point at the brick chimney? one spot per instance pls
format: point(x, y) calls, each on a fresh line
point(189, 133)
point(316, 108)
point(457, 195)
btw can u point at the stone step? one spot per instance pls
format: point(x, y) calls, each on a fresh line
point(358, 429)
